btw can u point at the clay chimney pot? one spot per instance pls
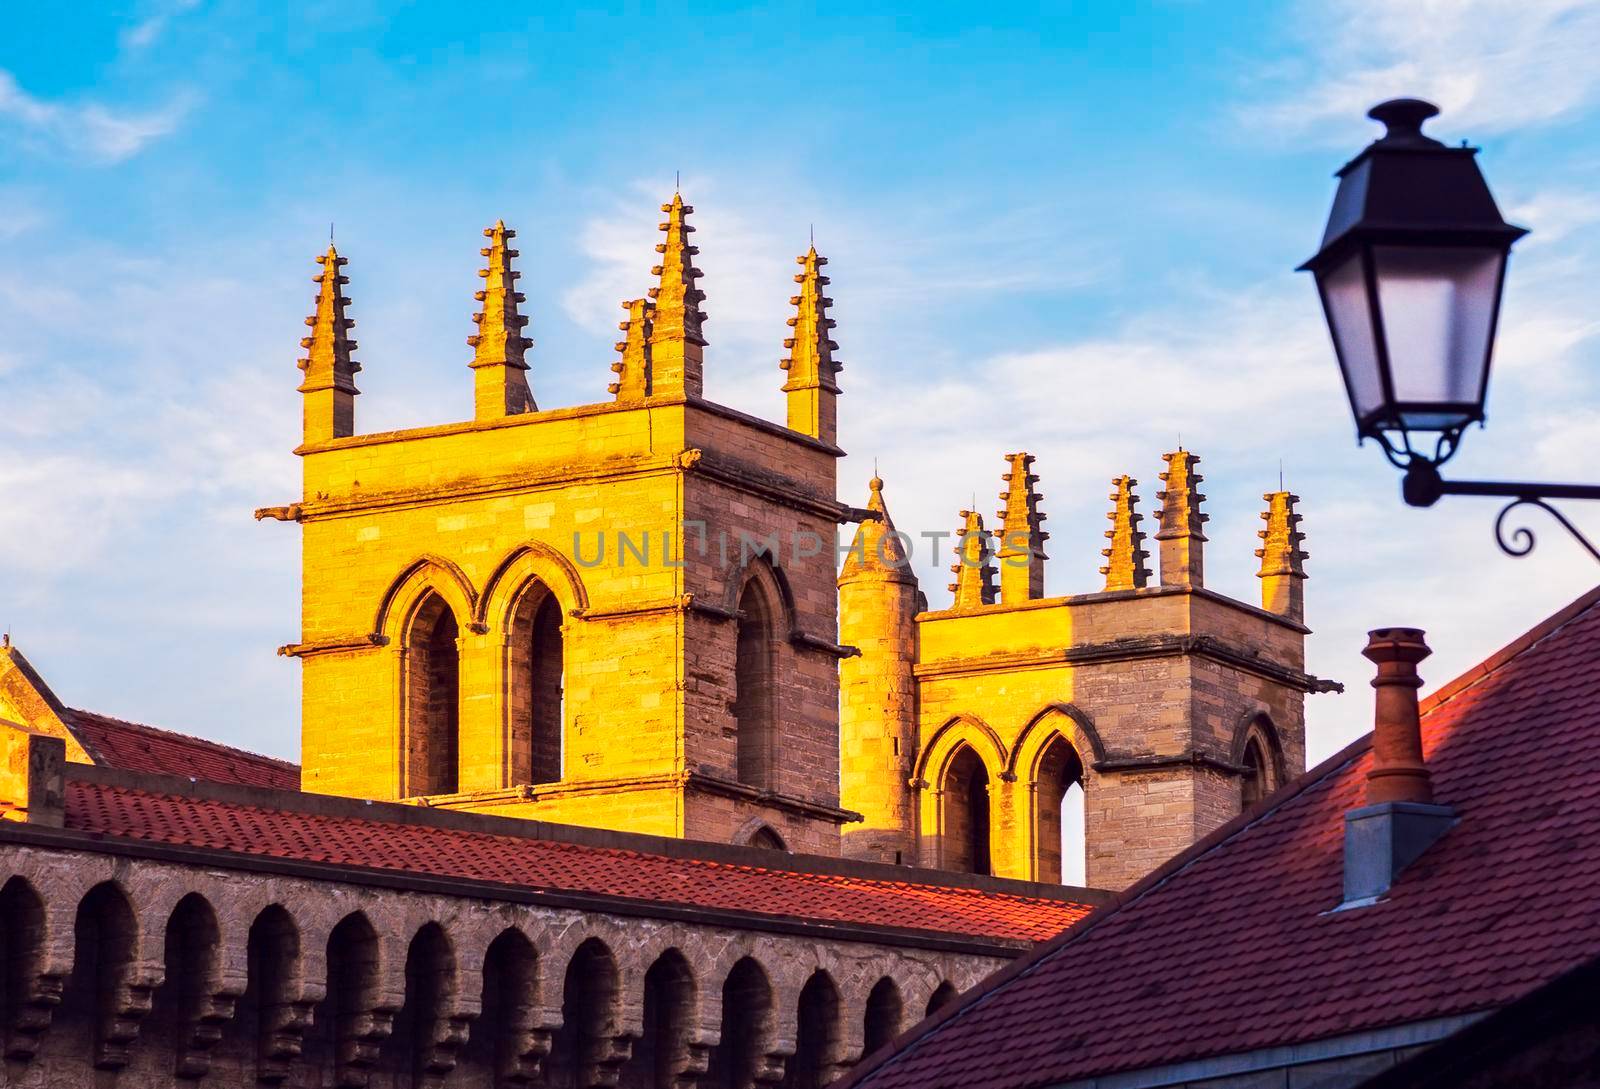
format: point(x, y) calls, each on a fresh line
point(1398, 772)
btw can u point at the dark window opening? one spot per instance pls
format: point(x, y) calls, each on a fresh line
point(1059, 798)
point(500, 1035)
point(265, 1010)
point(754, 667)
point(433, 695)
point(816, 1037)
point(966, 800)
point(882, 1018)
point(537, 662)
point(660, 1058)
point(767, 839)
point(1253, 784)
point(582, 1052)
point(747, 1014)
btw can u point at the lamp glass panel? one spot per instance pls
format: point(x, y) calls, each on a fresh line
point(1344, 294)
point(1438, 305)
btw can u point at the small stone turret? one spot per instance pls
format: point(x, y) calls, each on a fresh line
point(878, 603)
point(1283, 572)
point(329, 387)
point(1182, 534)
point(676, 341)
point(633, 369)
point(974, 566)
point(1020, 540)
point(1126, 557)
point(499, 365)
point(811, 389)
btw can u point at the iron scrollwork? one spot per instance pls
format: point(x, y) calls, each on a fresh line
point(1522, 539)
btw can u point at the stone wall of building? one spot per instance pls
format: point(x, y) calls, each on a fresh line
point(158, 973)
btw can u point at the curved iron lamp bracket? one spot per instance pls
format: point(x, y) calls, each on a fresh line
point(1423, 487)
point(1523, 537)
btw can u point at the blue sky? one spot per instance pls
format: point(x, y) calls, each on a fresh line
point(1068, 229)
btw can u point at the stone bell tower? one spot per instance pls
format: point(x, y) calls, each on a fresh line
point(619, 614)
point(1145, 712)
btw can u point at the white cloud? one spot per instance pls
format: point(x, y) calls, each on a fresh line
point(148, 30)
point(91, 130)
point(1554, 214)
point(1491, 65)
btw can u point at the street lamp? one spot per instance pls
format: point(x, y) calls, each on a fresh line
point(1410, 273)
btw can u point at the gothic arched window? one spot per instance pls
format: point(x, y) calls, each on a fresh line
point(433, 700)
point(966, 813)
point(660, 1057)
point(881, 1021)
point(817, 1035)
point(1058, 831)
point(753, 682)
point(1255, 783)
point(582, 1051)
point(747, 1028)
point(536, 662)
point(767, 839)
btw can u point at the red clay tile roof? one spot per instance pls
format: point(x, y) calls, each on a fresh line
point(136, 747)
point(125, 813)
point(1232, 947)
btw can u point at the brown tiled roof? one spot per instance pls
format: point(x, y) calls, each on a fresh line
point(133, 746)
point(114, 811)
point(1233, 946)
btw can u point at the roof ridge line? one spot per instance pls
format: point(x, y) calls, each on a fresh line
point(185, 736)
point(340, 807)
point(743, 867)
point(1514, 649)
point(907, 1041)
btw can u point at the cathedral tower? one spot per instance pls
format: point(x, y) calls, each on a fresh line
point(619, 614)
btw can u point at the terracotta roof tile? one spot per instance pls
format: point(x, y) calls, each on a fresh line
point(1234, 947)
point(133, 746)
point(126, 813)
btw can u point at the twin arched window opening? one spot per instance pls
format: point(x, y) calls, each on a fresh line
point(1058, 821)
point(534, 666)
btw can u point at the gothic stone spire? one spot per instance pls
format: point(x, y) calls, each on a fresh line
point(1125, 559)
point(677, 343)
point(1021, 540)
point(500, 378)
point(633, 369)
point(810, 387)
point(329, 387)
point(973, 569)
point(1283, 572)
point(1182, 535)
